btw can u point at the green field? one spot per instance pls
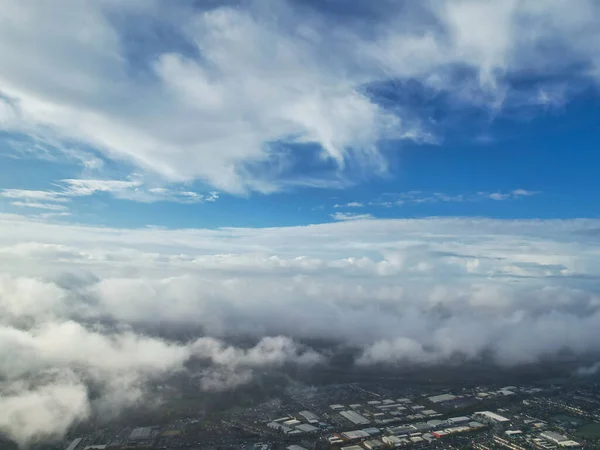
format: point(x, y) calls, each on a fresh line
point(590, 431)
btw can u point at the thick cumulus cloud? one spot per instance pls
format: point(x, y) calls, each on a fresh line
point(50, 369)
point(236, 93)
point(84, 311)
point(59, 366)
point(30, 413)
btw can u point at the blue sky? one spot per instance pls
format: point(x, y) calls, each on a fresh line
point(552, 156)
point(415, 180)
point(285, 122)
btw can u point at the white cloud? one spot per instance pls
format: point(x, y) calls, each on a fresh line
point(350, 216)
point(213, 111)
point(270, 350)
point(32, 195)
point(53, 215)
point(509, 195)
point(133, 190)
point(38, 205)
point(589, 370)
point(350, 205)
point(233, 100)
point(89, 187)
point(419, 197)
point(119, 364)
point(43, 412)
point(523, 193)
point(410, 291)
point(498, 196)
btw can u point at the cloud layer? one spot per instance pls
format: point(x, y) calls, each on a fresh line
point(260, 96)
point(78, 305)
point(242, 96)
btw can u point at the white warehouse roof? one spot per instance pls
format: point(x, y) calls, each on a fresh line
point(311, 417)
point(441, 398)
point(354, 417)
point(493, 416)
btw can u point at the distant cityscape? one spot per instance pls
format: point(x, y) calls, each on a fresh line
point(372, 417)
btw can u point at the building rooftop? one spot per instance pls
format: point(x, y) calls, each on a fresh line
point(357, 434)
point(291, 422)
point(435, 422)
point(141, 433)
point(354, 417)
point(459, 419)
point(74, 443)
point(569, 443)
point(422, 426)
point(306, 428)
point(441, 398)
point(555, 437)
point(402, 429)
point(475, 424)
point(373, 443)
point(392, 440)
point(311, 417)
point(493, 416)
point(513, 432)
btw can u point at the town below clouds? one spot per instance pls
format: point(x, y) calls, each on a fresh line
point(198, 189)
point(396, 292)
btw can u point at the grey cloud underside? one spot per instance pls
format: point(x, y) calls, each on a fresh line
point(233, 93)
point(98, 308)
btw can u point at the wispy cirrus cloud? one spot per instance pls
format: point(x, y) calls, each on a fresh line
point(79, 188)
point(350, 205)
point(239, 117)
point(350, 216)
point(510, 195)
point(25, 194)
point(133, 190)
point(420, 197)
point(38, 205)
